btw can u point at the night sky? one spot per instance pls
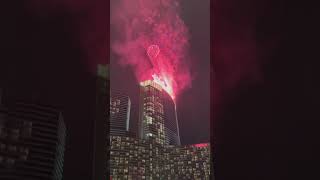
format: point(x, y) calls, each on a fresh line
point(193, 106)
point(269, 126)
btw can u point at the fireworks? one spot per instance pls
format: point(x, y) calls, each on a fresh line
point(165, 84)
point(153, 40)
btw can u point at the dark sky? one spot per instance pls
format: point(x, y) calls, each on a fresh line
point(269, 129)
point(193, 105)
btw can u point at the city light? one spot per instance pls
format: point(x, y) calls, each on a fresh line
point(201, 145)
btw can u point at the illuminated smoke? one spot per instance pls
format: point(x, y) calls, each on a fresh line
point(153, 51)
point(159, 76)
point(150, 37)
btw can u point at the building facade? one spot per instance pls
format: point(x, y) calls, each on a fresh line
point(120, 106)
point(132, 158)
point(187, 162)
point(32, 142)
point(157, 117)
point(157, 153)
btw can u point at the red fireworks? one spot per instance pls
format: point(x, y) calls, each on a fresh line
point(153, 40)
point(159, 75)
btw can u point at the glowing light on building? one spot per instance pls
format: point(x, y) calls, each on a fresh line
point(158, 116)
point(201, 145)
point(165, 84)
point(159, 76)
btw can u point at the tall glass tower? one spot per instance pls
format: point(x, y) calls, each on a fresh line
point(120, 105)
point(157, 118)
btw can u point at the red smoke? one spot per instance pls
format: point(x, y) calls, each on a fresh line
point(153, 40)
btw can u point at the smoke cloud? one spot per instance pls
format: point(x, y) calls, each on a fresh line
point(137, 25)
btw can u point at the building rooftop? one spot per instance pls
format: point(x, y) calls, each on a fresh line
point(103, 71)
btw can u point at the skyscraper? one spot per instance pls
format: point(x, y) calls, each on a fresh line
point(120, 106)
point(32, 142)
point(101, 125)
point(157, 118)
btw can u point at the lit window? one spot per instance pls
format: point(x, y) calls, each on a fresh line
point(149, 119)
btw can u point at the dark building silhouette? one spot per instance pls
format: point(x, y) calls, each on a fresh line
point(120, 106)
point(101, 125)
point(158, 118)
point(32, 141)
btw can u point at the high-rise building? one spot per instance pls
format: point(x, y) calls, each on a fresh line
point(157, 154)
point(32, 142)
point(120, 106)
point(157, 118)
point(187, 162)
point(101, 140)
point(133, 158)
